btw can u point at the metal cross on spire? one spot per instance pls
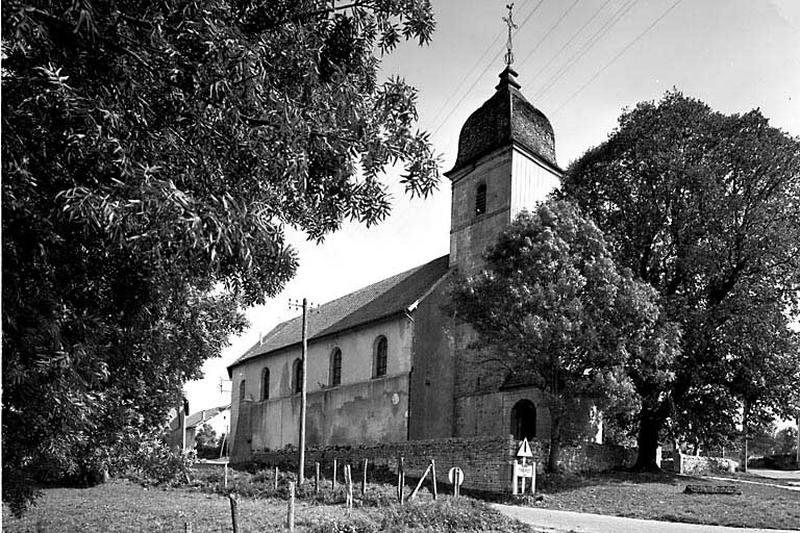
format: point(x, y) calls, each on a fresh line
point(511, 26)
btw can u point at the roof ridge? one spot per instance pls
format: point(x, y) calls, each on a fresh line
point(368, 294)
point(321, 307)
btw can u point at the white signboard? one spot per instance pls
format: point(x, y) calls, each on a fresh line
point(524, 470)
point(456, 476)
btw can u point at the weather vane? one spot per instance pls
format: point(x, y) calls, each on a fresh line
point(511, 26)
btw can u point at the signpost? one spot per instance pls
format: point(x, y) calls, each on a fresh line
point(456, 477)
point(522, 470)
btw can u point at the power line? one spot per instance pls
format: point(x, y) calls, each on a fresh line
point(621, 11)
point(480, 76)
point(625, 49)
point(552, 27)
point(574, 35)
point(469, 74)
point(476, 65)
point(402, 214)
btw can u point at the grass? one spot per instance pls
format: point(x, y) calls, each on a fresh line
point(120, 506)
point(661, 497)
point(125, 506)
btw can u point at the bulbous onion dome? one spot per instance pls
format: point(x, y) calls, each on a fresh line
point(504, 119)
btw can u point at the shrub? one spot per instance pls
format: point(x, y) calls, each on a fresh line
point(146, 458)
point(445, 514)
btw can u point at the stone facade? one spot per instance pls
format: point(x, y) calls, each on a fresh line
point(433, 372)
point(695, 464)
point(486, 460)
point(514, 180)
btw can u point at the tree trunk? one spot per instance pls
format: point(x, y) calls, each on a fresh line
point(650, 423)
point(745, 430)
point(555, 444)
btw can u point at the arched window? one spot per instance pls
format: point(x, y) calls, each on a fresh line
point(381, 349)
point(241, 391)
point(523, 420)
point(297, 375)
point(336, 367)
point(265, 384)
point(480, 199)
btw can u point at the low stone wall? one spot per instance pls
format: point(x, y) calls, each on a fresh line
point(693, 464)
point(486, 461)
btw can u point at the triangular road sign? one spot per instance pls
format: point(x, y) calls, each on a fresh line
point(524, 449)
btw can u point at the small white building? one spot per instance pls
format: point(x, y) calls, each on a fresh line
point(217, 417)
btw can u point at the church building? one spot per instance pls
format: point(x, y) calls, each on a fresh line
point(386, 363)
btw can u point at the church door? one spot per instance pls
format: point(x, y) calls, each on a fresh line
point(523, 420)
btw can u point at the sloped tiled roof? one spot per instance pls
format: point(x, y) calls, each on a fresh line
point(201, 416)
point(374, 302)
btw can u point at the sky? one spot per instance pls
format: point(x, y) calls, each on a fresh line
point(581, 62)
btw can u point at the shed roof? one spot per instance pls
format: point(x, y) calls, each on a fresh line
point(377, 301)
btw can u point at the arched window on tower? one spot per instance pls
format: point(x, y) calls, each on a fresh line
point(241, 391)
point(297, 376)
point(523, 420)
point(336, 367)
point(480, 199)
point(265, 384)
point(380, 357)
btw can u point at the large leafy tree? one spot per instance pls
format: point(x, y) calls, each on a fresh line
point(553, 307)
point(704, 207)
point(152, 154)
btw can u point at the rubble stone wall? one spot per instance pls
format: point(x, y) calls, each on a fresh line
point(486, 461)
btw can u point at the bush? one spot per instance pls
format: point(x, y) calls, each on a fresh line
point(146, 458)
point(446, 515)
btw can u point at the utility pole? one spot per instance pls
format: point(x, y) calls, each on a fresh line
point(182, 424)
point(301, 459)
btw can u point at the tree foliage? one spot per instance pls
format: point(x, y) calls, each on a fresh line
point(552, 305)
point(704, 207)
point(152, 155)
point(206, 437)
point(786, 440)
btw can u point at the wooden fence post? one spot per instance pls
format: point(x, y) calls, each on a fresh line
point(226, 476)
point(433, 472)
point(333, 479)
point(276, 478)
point(234, 512)
point(419, 483)
point(348, 479)
point(316, 478)
point(364, 478)
point(401, 479)
point(290, 512)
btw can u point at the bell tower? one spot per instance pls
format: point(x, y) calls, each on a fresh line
point(506, 163)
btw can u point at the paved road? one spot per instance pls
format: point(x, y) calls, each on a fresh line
point(566, 521)
point(786, 475)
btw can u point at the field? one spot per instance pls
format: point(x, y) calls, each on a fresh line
point(661, 497)
point(125, 506)
point(122, 506)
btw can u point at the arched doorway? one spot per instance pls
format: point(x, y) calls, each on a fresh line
point(523, 420)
